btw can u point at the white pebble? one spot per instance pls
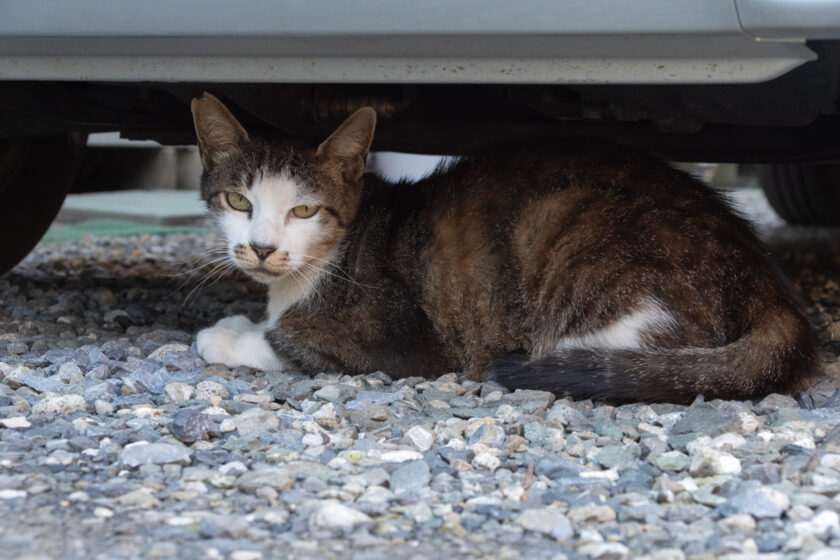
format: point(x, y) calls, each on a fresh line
point(311, 440)
point(207, 389)
point(15, 422)
point(822, 522)
point(727, 441)
point(709, 462)
point(246, 555)
point(233, 468)
point(103, 512)
point(507, 414)
point(59, 404)
point(607, 550)
point(401, 456)
point(177, 391)
point(738, 521)
point(825, 554)
point(486, 461)
point(69, 372)
point(333, 515)
point(831, 460)
point(103, 407)
point(420, 437)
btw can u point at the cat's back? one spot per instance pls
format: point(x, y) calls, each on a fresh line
point(602, 186)
point(526, 168)
point(529, 207)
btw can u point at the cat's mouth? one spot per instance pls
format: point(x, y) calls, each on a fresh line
point(260, 271)
point(263, 274)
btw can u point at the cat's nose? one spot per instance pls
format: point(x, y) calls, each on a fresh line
point(262, 251)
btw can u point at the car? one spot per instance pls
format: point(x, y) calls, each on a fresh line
point(752, 81)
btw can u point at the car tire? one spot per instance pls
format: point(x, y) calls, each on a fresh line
point(806, 194)
point(35, 176)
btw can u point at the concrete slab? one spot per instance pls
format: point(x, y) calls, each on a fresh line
point(109, 227)
point(183, 208)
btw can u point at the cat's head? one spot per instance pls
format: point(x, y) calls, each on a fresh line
point(282, 209)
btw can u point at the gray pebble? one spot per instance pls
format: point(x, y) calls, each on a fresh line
point(410, 477)
point(549, 520)
point(707, 420)
point(273, 477)
point(144, 453)
point(191, 424)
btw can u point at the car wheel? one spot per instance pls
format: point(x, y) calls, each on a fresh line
point(35, 176)
point(807, 194)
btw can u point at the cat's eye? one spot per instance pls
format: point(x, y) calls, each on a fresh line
point(238, 202)
point(305, 210)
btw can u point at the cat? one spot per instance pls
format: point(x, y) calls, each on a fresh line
point(572, 267)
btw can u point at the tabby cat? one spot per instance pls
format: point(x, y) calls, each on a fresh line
point(576, 268)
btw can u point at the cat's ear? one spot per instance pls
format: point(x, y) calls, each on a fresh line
point(219, 133)
point(348, 146)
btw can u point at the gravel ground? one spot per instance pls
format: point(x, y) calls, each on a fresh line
point(117, 441)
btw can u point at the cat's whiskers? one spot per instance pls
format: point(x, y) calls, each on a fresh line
point(197, 262)
point(213, 278)
point(328, 262)
point(213, 250)
point(197, 266)
point(197, 288)
point(343, 276)
point(192, 271)
point(218, 272)
point(310, 284)
point(319, 270)
point(221, 273)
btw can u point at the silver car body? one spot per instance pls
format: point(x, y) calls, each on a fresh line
point(406, 41)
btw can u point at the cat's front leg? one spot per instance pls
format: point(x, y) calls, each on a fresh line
point(236, 341)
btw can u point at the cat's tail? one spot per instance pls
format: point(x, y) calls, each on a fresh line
point(776, 355)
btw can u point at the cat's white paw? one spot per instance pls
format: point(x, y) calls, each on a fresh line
point(216, 345)
point(238, 323)
point(236, 341)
